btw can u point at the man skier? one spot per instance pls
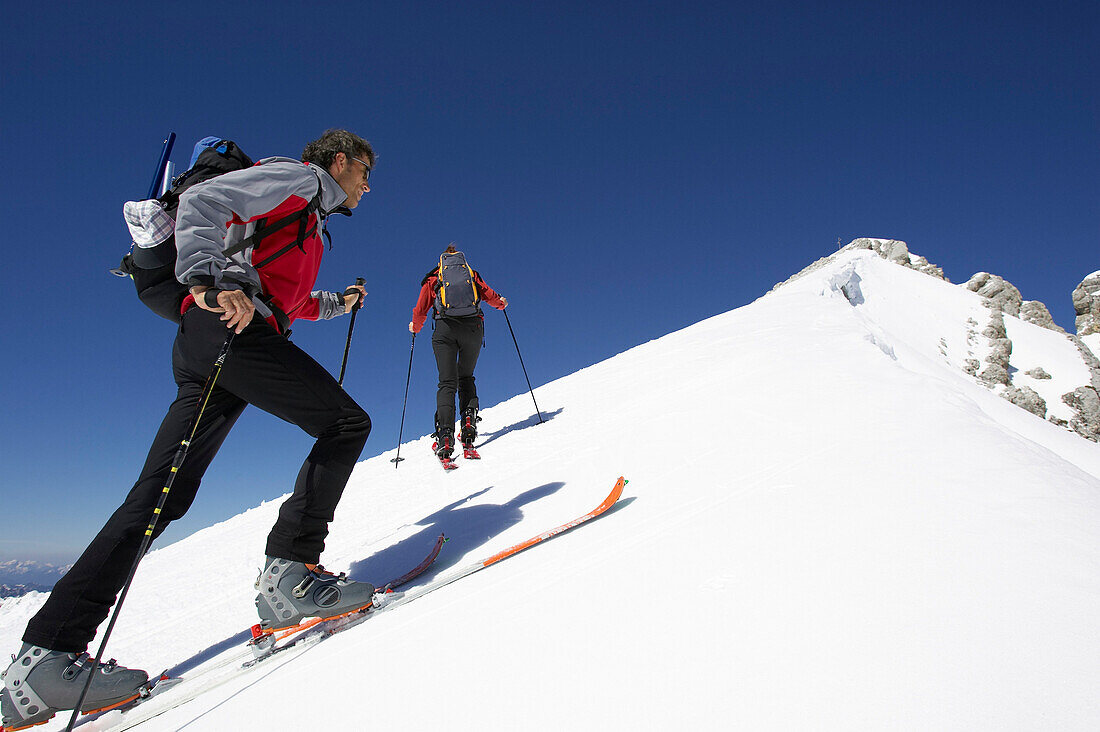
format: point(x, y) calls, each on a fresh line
point(258, 295)
point(453, 290)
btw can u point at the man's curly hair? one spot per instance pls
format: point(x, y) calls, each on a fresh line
point(322, 151)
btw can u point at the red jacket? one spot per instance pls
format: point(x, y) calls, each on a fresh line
point(427, 298)
point(226, 210)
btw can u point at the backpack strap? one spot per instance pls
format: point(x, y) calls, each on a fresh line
point(473, 284)
point(303, 234)
point(441, 290)
point(301, 217)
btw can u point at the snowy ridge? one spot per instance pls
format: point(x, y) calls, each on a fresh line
point(829, 524)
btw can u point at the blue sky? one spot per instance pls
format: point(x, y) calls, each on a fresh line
point(617, 170)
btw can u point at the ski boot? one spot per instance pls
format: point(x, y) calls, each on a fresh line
point(289, 592)
point(444, 443)
point(40, 682)
point(444, 446)
point(469, 433)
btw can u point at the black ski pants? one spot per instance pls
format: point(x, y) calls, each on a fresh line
point(263, 368)
point(457, 344)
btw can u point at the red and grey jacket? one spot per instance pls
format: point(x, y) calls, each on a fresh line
point(277, 273)
point(427, 297)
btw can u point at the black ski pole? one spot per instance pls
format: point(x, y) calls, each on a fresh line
point(354, 310)
point(401, 429)
point(509, 322)
point(177, 461)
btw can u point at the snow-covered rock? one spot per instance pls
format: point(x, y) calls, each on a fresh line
point(1036, 313)
point(1086, 405)
point(1026, 398)
point(1086, 303)
point(1001, 294)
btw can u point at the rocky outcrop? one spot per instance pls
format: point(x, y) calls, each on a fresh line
point(1090, 359)
point(1000, 294)
point(1086, 403)
point(1000, 351)
point(891, 250)
point(1036, 313)
point(921, 264)
point(1086, 303)
point(1026, 398)
point(1038, 373)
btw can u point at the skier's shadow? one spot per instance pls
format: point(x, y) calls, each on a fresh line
point(467, 525)
point(529, 422)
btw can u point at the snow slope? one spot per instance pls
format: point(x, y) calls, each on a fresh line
point(828, 525)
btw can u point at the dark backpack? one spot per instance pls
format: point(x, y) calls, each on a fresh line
point(456, 294)
point(152, 263)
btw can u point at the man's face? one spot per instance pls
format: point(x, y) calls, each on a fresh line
point(352, 174)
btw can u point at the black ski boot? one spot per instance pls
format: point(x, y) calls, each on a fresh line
point(444, 444)
point(469, 426)
point(40, 682)
point(469, 433)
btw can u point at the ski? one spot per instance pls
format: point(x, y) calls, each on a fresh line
point(469, 453)
point(200, 683)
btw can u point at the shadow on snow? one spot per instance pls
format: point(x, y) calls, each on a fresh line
point(529, 422)
point(466, 526)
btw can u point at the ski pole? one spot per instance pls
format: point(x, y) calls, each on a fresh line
point(354, 310)
point(509, 322)
point(405, 401)
point(177, 461)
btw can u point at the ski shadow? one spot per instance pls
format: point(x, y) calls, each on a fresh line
point(466, 528)
point(529, 422)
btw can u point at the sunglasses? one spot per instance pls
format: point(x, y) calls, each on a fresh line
point(366, 169)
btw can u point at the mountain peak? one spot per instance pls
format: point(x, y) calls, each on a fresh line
point(892, 250)
point(990, 338)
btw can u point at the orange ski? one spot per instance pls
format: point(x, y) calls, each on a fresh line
point(608, 502)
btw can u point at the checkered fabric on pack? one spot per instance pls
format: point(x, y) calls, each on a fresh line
point(149, 223)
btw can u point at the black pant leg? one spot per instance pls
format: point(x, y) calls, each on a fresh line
point(470, 339)
point(269, 372)
point(83, 597)
point(445, 346)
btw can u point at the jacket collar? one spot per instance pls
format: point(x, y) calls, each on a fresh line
point(332, 195)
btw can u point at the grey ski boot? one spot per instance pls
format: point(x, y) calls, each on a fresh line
point(290, 592)
point(41, 682)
